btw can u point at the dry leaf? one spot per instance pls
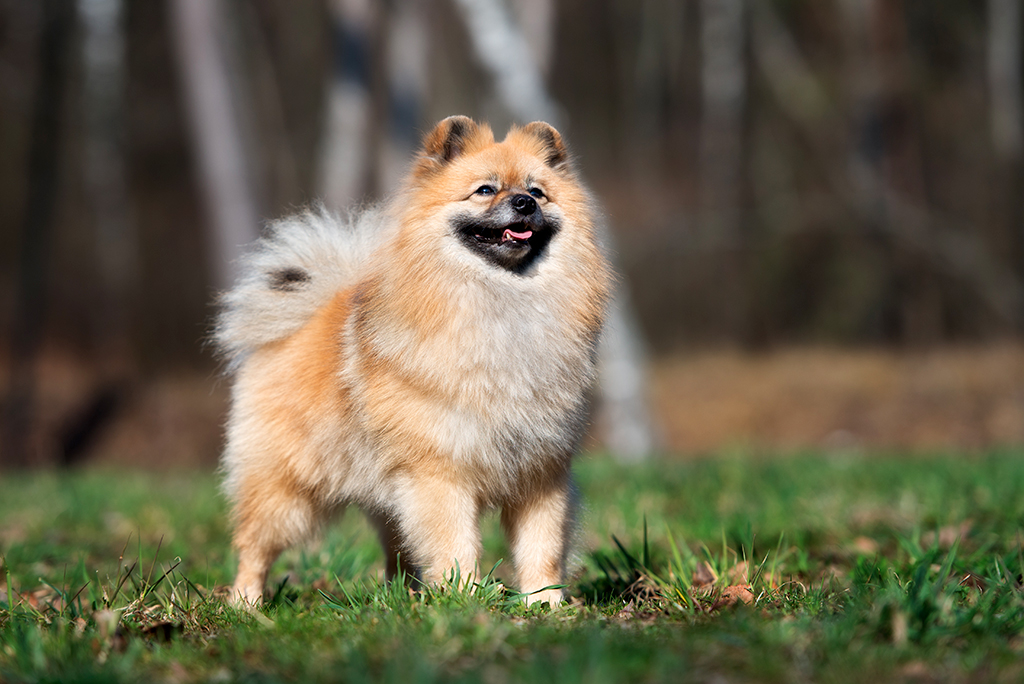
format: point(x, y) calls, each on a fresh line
point(865, 546)
point(733, 594)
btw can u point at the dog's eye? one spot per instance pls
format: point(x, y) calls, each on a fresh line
point(485, 190)
point(537, 192)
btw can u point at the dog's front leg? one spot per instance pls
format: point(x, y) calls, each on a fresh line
point(539, 529)
point(439, 522)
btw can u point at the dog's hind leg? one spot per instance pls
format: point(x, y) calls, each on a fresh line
point(270, 516)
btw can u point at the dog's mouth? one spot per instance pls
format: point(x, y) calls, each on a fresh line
point(514, 235)
point(512, 246)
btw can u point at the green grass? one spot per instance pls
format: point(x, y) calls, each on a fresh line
point(858, 570)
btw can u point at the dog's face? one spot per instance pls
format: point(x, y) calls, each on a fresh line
point(503, 202)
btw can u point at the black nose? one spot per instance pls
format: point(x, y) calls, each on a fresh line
point(524, 204)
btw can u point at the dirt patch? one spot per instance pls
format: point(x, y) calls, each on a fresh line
point(831, 399)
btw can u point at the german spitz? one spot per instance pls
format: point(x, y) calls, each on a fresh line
point(425, 360)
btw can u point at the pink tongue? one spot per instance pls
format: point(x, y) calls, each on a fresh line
point(510, 234)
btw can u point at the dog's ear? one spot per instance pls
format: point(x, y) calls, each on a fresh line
point(553, 149)
point(450, 139)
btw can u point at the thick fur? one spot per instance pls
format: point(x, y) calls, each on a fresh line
point(403, 363)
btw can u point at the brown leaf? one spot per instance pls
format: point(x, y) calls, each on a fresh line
point(865, 546)
point(733, 594)
point(43, 598)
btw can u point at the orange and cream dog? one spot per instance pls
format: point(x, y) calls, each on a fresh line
point(424, 360)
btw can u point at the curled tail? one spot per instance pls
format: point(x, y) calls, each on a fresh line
point(292, 271)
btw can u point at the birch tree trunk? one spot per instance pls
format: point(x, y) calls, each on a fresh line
point(116, 246)
point(198, 28)
point(344, 148)
point(406, 86)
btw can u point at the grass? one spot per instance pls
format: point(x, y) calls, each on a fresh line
point(807, 568)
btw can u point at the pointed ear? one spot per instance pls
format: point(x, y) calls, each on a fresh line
point(449, 139)
point(555, 153)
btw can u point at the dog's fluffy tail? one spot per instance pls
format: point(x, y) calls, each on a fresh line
point(301, 263)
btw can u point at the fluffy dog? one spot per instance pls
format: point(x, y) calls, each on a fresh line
point(425, 360)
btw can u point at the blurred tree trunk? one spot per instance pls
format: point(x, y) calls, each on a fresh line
point(1007, 119)
point(376, 130)
point(536, 19)
point(199, 32)
point(922, 308)
point(116, 255)
point(624, 410)
point(43, 185)
point(723, 98)
point(1004, 78)
point(376, 91)
point(405, 88)
point(345, 148)
point(723, 103)
point(503, 50)
point(649, 64)
point(116, 245)
point(887, 167)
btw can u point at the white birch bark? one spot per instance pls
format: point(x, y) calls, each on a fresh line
point(503, 50)
point(197, 27)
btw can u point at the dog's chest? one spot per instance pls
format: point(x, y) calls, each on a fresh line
point(498, 386)
point(517, 380)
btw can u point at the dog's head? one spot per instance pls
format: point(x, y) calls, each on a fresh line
point(503, 201)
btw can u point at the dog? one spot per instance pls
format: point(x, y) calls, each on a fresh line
point(425, 360)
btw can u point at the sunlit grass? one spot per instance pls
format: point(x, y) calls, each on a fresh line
point(846, 569)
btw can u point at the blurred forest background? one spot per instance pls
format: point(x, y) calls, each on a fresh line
point(817, 205)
